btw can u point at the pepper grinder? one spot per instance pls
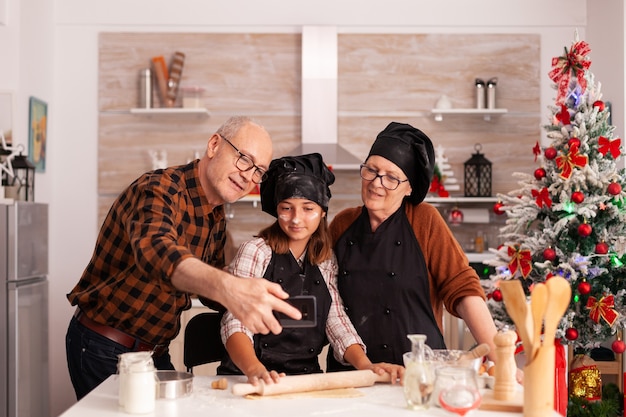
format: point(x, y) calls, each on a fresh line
point(504, 387)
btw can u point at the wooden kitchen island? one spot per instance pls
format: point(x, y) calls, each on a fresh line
point(379, 400)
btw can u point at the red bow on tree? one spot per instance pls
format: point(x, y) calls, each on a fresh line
point(542, 197)
point(607, 145)
point(536, 150)
point(602, 308)
point(574, 61)
point(521, 259)
point(567, 162)
point(563, 116)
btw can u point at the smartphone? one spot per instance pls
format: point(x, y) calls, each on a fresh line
point(307, 305)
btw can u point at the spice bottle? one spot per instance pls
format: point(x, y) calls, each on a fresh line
point(480, 93)
point(491, 93)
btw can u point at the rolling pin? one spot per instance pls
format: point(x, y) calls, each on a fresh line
point(312, 382)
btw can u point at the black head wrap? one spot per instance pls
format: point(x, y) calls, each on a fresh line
point(411, 150)
point(304, 176)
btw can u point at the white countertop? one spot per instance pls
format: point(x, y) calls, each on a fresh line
point(381, 399)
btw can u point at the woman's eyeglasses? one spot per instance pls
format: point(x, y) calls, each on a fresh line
point(388, 181)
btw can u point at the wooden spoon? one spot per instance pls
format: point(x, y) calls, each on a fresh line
point(538, 304)
point(559, 294)
point(515, 303)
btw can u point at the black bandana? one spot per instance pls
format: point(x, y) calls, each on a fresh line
point(304, 176)
point(411, 150)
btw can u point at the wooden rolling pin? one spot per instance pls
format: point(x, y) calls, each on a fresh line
point(312, 382)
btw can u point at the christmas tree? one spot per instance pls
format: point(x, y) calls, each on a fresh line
point(568, 217)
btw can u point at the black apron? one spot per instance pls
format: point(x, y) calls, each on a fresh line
point(383, 281)
point(295, 350)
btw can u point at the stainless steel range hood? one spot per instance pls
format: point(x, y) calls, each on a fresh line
point(319, 98)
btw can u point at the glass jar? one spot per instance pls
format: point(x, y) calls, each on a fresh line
point(137, 389)
point(419, 376)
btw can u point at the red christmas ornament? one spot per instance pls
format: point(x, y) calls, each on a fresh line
point(618, 346)
point(574, 142)
point(496, 295)
point(614, 188)
point(584, 230)
point(550, 153)
point(540, 173)
point(599, 104)
point(571, 334)
point(578, 197)
point(584, 288)
point(602, 248)
point(497, 208)
point(549, 254)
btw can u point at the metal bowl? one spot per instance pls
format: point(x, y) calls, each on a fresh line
point(173, 384)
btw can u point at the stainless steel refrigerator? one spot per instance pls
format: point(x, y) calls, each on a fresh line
point(24, 364)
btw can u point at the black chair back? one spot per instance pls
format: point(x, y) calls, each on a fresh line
point(202, 342)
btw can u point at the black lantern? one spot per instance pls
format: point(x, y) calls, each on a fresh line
point(477, 175)
point(21, 186)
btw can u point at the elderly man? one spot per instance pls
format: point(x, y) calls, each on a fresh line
point(162, 241)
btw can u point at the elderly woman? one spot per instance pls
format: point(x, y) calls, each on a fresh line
point(399, 263)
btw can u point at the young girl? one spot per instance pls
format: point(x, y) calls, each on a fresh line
point(296, 252)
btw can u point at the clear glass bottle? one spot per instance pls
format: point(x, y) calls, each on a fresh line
point(419, 376)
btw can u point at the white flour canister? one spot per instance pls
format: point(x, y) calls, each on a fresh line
point(137, 374)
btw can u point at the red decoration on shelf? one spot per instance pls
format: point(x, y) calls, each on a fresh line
point(574, 142)
point(584, 230)
point(599, 104)
point(549, 254)
point(578, 197)
point(455, 217)
point(602, 248)
point(602, 308)
point(567, 162)
point(614, 188)
point(496, 295)
point(540, 174)
point(550, 153)
point(606, 145)
point(618, 346)
point(571, 334)
point(497, 208)
point(584, 288)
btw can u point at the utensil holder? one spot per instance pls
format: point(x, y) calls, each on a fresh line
point(539, 384)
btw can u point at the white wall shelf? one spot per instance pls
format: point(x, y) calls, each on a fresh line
point(486, 114)
point(171, 111)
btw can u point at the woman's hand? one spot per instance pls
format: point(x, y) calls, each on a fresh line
point(395, 371)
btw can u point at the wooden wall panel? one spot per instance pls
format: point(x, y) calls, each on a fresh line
point(382, 78)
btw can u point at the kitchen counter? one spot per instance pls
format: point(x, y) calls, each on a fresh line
point(381, 399)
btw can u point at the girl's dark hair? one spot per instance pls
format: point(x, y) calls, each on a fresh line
point(319, 248)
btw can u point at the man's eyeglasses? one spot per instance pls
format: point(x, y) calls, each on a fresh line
point(244, 164)
point(388, 181)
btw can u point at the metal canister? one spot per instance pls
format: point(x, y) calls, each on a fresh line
point(480, 93)
point(491, 93)
point(145, 88)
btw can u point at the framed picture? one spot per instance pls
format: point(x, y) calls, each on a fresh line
point(37, 132)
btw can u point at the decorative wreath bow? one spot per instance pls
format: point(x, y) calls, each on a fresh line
point(611, 146)
point(521, 259)
point(602, 308)
point(568, 161)
point(573, 62)
point(542, 197)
